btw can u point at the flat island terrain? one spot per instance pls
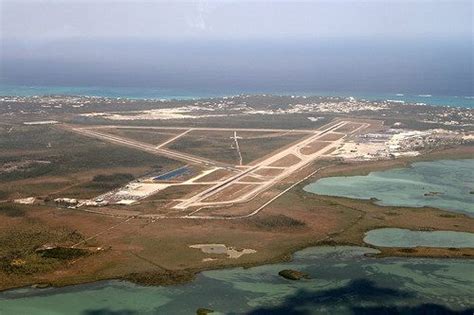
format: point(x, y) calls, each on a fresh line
point(156, 191)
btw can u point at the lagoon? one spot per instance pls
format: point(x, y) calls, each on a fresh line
point(344, 280)
point(443, 184)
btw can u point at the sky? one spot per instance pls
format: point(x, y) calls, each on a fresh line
point(327, 44)
point(53, 19)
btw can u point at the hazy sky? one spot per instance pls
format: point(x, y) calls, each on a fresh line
point(377, 45)
point(53, 19)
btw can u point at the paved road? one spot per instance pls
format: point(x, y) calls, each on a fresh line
point(204, 128)
point(145, 147)
point(162, 145)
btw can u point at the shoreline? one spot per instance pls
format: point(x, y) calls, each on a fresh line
point(136, 94)
point(342, 237)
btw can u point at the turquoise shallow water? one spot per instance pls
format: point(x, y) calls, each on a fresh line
point(451, 181)
point(159, 93)
point(343, 281)
point(391, 237)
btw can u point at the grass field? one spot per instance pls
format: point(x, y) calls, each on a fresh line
point(287, 160)
point(214, 176)
point(348, 128)
point(213, 145)
point(331, 136)
point(143, 135)
point(220, 145)
point(253, 149)
point(314, 147)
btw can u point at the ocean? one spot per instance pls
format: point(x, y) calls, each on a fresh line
point(418, 70)
point(466, 101)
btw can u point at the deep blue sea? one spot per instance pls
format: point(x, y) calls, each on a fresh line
point(466, 101)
